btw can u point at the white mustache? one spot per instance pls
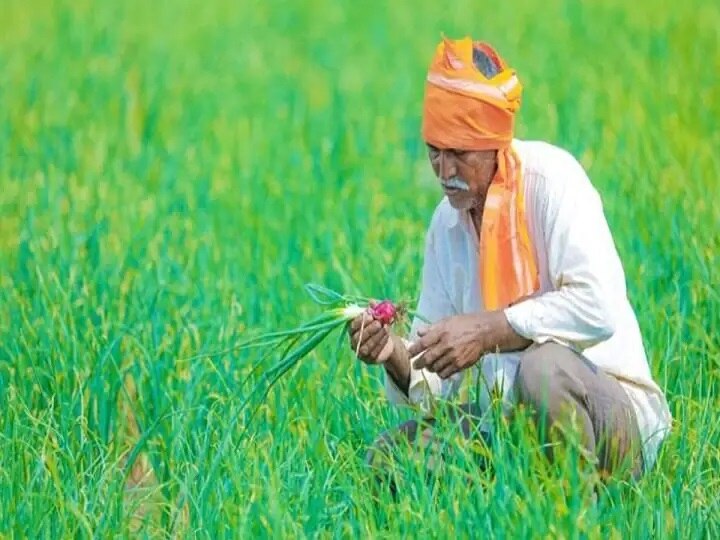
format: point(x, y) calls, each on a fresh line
point(455, 183)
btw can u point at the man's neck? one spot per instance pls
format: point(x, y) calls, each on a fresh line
point(476, 218)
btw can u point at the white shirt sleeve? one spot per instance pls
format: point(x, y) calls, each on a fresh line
point(583, 264)
point(434, 304)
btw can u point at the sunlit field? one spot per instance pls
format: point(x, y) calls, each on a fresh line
point(172, 174)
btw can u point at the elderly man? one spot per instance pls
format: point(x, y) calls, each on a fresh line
point(522, 283)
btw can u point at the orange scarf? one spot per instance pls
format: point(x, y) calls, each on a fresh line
point(464, 110)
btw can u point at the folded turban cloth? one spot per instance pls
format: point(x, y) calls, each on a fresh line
point(471, 97)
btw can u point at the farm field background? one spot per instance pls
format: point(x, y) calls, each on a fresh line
point(173, 173)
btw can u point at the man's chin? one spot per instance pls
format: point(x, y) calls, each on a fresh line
point(461, 201)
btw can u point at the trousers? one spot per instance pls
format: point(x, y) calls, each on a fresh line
point(554, 384)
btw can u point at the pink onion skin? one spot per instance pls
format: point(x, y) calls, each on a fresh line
point(384, 311)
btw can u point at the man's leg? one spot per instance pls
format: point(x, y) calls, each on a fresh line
point(555, 382)
point(422, 436)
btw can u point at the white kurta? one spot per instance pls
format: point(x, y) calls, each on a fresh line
point(582, 302)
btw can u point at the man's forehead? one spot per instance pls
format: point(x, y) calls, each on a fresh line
point(486, 152)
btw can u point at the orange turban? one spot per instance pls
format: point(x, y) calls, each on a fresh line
point(465, 110)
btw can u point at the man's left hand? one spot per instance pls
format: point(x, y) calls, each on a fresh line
point(458, 342)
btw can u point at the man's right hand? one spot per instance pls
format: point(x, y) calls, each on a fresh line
point(370, 340)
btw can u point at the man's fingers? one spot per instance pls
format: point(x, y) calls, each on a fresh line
point(368, 339)
point(448, 371)
point(361, 321)
point(430, 347)
point(433, 356)
point(386, 351)
point(376, 341)
point(373, 344)
point(377, 347)
point(439, 362)
point(420, 361)
point(430, 354)
point(366, 332)
point(427, 340)
point(355, 324)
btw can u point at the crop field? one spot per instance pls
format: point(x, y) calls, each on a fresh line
point(172, 175)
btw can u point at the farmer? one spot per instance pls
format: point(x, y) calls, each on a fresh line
point(522, 285)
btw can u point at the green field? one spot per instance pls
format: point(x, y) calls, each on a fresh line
point(173, 173)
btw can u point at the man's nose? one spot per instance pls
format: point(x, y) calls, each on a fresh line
point(447, 166)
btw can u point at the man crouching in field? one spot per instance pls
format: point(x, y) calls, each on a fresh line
point(521, 280)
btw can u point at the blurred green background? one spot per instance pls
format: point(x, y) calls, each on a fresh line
point(173, 173)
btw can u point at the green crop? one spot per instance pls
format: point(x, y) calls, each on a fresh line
point(173, 173)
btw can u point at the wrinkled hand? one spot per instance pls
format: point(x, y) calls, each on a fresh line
point(451, 345)
point(370, 339)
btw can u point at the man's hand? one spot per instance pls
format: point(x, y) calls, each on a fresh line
point(375, 344)
point(370, 340)
point(458, 342)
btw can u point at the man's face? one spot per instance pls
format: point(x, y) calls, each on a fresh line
point(465, 175)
